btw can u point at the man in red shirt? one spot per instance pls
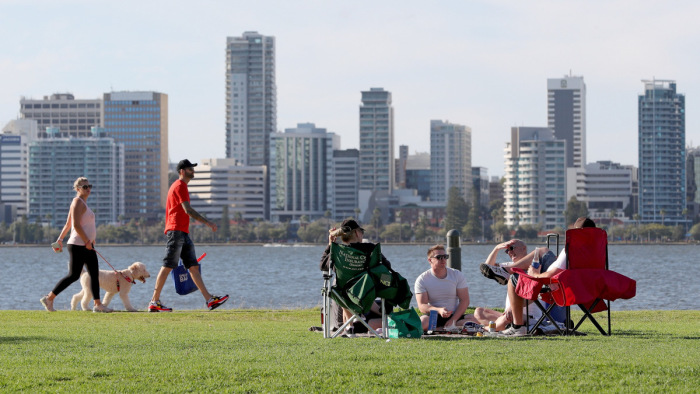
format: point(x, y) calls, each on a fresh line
point(179, 245)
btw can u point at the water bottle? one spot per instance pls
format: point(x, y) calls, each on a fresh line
point(56, 247)
point(536, 260)
point(432, 321)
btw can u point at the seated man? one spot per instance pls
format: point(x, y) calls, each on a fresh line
point(444, 290)
point(547, 264)
point(520, 258)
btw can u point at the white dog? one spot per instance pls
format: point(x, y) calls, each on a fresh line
point(108, 282)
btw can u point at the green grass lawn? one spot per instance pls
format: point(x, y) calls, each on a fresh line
point(263, 350)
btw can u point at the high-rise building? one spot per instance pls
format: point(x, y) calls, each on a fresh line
point(14, 152)
point(400, 167)
point(495, 189)
point(692, 168)
point(480, 179)
point(301, 179)
point(450, 160)
point(662, 177)
point(606, 188)
point(251, 98)
point(566, 115)
point(72, 118)
point(376, 141)
point(535, 179)
point(223, 182)
point(346, 182)
point(56, 162)
point(139, 121)
point(418, 174)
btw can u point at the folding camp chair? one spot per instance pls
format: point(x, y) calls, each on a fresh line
point(349, 284)
point(586, 282)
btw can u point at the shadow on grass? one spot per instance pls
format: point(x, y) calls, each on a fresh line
point(13, 340)
point(637, 334)
point(458, 337)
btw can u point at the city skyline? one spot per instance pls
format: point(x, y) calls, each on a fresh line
point(484, 65)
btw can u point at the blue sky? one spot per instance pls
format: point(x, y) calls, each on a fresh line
point(483, 64)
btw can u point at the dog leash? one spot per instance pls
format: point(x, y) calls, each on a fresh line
point(125, 277)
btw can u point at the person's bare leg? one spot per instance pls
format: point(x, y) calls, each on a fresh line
point(425, 321)
point(484, 315)
point(160, 282)
point(196, 275)
point(516, 305)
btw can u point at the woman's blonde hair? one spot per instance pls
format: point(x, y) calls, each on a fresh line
point(77, 182)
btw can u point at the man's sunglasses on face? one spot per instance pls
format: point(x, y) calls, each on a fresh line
point(441, 256)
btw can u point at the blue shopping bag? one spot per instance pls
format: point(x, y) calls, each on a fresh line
point(183, 281)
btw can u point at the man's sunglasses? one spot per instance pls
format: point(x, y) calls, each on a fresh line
point(441, 256)
point(85, 187)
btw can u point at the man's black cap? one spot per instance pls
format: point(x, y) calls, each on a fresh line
point(185, 164)
point(351, 223)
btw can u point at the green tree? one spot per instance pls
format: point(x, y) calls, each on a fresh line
point(457, 210)
point(663, 216)
point(526, 231)
point(472, 230)
point(377, 221)
point(678, 233)
point(225, 225)
point(315, 232)
point(695, 232)
point(574, 210)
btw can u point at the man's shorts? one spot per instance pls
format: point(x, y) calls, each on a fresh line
point(545, 261)
point(442, 320)
point(179, 246)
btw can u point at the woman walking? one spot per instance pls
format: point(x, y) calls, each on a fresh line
point(81, 247)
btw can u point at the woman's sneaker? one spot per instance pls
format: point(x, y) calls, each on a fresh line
point(156, 306)
point(216, 301)
point(101, 309)
point(47, 303)
point(495, 272)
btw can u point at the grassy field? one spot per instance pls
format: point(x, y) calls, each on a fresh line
point(263, 351)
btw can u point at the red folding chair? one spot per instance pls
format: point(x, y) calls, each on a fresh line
point(586, 282)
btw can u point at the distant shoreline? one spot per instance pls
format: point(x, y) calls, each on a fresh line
point(272, 244)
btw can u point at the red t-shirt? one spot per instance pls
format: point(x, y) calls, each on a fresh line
point(175, 216)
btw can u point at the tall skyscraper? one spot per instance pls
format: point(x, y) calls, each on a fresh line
point(14, 153)
point(450, 160)
point(400, 167)
point(72, 118)
point(662, 177)
point(301, 172)
point(139, 121)
point(55, 163)
point(376, 141)
point(480, 180)
point(566, 115)
point(692, 168)
point(535, 180)
point(346, 177)
point(251, 98)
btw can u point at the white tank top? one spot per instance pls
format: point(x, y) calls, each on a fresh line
point(87, 222)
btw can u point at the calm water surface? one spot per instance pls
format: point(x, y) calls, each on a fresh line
point(289, 277)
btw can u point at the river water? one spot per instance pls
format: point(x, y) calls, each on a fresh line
point(288, 276)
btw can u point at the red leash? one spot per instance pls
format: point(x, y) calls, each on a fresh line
point(125, 277)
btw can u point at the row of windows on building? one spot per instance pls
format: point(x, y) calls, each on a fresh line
point(60, 106)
